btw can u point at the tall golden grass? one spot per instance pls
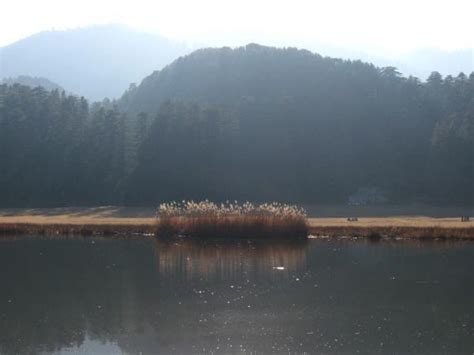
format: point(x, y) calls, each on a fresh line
point(206, 219)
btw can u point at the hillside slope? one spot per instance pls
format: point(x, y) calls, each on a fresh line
point(96, 62)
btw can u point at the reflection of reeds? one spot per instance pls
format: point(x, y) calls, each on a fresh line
point(193, 259)
point(208, 220)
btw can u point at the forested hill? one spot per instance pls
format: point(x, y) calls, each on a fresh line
point(254, 74)
point(321, 128)
point(253, 123)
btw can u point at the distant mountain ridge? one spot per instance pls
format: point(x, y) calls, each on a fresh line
point(32, 82)
point(102, 61)
point(96, 62)
point(422, 62)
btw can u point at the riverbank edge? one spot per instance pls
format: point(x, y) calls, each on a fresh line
point(315, 232)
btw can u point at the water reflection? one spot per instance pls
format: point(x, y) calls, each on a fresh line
point(188, 259)
point(132, 296)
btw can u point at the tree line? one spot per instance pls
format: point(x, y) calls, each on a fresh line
point(254, 123)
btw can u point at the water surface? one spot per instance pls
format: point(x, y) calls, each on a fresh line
point(82, 295)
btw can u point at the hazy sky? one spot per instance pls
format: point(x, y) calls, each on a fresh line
point(393, 25)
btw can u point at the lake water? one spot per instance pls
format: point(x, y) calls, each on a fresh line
point(75, 295)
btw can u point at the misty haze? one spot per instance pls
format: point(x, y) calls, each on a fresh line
point(254, 177)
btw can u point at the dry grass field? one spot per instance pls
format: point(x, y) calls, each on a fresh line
point(395, 221)
point(110, 220)
point(78, 215)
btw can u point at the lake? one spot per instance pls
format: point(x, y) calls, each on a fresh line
point(112, 296)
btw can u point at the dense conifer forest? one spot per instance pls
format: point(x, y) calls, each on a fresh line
point(254, 123)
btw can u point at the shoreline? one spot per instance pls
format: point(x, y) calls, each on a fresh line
point(125, 221)
point(391, 232)
point(316, 231)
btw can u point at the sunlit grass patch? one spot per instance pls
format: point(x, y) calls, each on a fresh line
point(206, 219)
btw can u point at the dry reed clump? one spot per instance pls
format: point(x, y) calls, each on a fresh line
point(206, 219)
